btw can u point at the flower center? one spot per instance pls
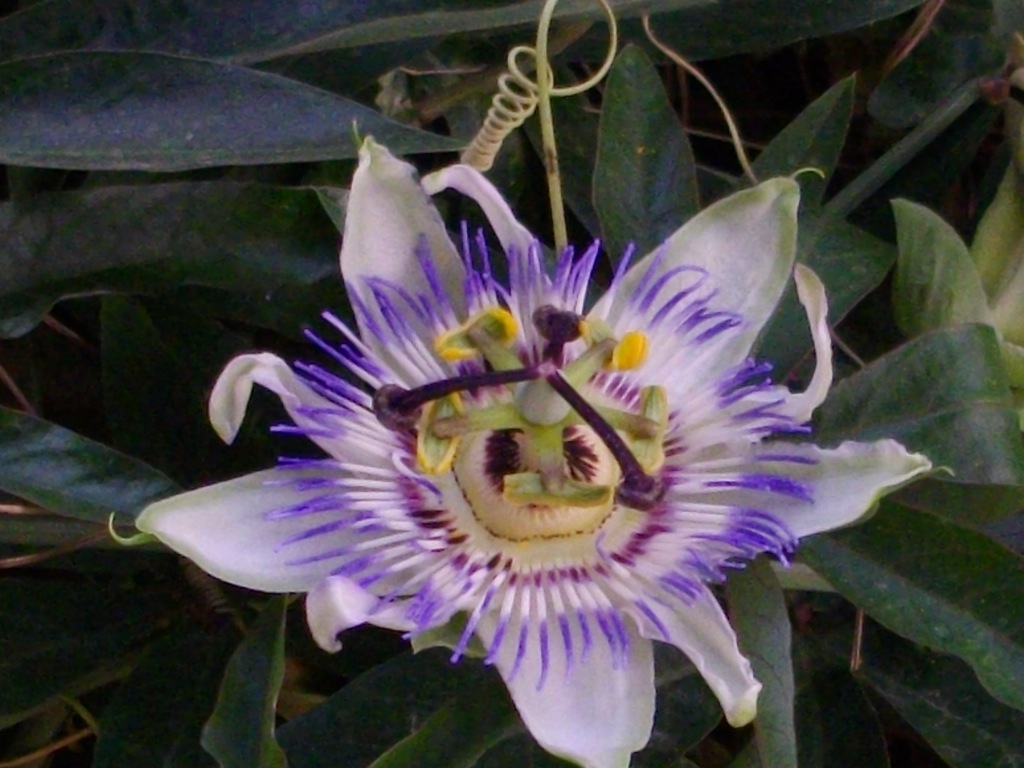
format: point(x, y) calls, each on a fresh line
point(541, 460)
point(517, 494)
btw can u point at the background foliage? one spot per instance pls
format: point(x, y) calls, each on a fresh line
point(173, 183)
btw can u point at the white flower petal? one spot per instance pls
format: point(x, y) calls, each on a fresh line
point(231, 393)
point(747, 245)
point(513, 236)
point(800, 407)
point(704, 634)
point(388, 215)
point(224, 529)
point(594, 714)
point(845, 483)
point(338, 603)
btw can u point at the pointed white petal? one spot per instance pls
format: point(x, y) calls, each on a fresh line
point(812, 295)
point(513, 236)
point(388, 215)
point(844, 483)
point(747, 245)
point(593, 713)
point(224, 529)
point(338, 603)
point(702, 631)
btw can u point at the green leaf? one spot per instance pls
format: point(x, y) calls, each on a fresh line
point(156, 714)
point(937, 584)
point(57, 634)
point(645, 183)
point(159, 363)
point(264, 29)
point(814, 139)
point(71, 475)
point(851, 263)
point(153, 238)
point(936, 284)
point(240, 732)
point(758, 612)
point(836, 724)
point(957, 48)
point(150, 111)
point(943, 394)
point(940, 698)
point(459, 732)
point(378, 710)
point(714, 30)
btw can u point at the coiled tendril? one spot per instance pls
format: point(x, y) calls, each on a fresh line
point(519, 95)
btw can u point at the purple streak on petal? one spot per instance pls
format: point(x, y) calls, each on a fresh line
point(496, 641)
point(650, 270)
point(542, 639)
point(474, 619)
point(606, 622)
point(623, 266)
point(563, 267)
point(566, 632)
point(429, 267)
point(790, 458)
point(520, 651)
point(680, 585)
point(725, 325)
point(648, 612)
point(783, 486)
point(585, 633)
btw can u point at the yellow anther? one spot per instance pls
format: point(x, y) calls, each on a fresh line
point(494, 325)
point(434, 453)
point(630, 352)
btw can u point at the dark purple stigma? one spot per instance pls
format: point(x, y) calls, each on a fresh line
point(559, 327)
point(398, 408)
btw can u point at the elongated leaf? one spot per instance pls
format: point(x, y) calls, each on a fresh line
point(56, 633)
point(936, 583)
point(944, 394)
point(758, 613)
point(153, 238)
point(813, 140)
point(72, 475)
point(240, 732)
point(156, 715)
point(377, 710)
point(263, 29)
point(940, 697)
point(150, 111)
point(459, 733)
point(645, 183)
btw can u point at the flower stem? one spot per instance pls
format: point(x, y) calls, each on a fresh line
point(545, 84)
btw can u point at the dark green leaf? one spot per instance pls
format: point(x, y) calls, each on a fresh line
point(263, 29)
point(645, 183)
point(851, 263)
point(958, 47)
point(713, 30)
point(377, 710)
point(938, 584)
point(150, 111)
point(836, 724)
point(944, 394)
point(521, 752)
point(459, 732)
point(940, 698)
point(154, 238)
point(72, 475)
point(240, 732)
point(159, 364)
point(57, 633)
point(813, 140)
point(758, 612)
point(156, 715)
